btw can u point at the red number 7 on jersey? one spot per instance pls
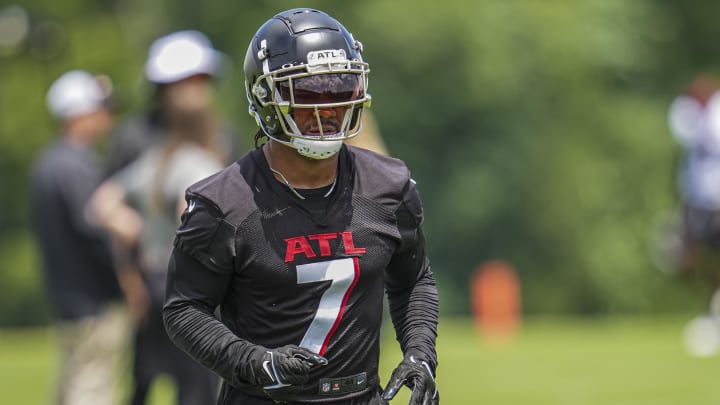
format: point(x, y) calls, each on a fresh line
point(344, 274)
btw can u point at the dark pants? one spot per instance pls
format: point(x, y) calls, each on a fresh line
point(155, 354)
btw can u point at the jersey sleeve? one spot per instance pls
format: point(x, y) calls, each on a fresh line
point(199, 272)
point(410, 284)
point(206, 236)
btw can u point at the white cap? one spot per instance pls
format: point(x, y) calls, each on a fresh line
point(180, 55)
point(75, 93)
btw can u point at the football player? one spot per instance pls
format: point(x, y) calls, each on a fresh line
point(281, 261)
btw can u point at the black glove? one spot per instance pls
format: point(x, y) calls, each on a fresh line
point(415, 372)
point(277, 370)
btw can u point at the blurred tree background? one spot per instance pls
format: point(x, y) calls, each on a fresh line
point(537, 131)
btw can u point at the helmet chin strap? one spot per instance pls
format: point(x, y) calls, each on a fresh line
point(316, 149)
point(309, 148)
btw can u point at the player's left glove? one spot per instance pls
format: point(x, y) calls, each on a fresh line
point(415, 372)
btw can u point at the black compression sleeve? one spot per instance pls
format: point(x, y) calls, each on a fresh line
point(193, 292)
point(414, 311)
point(410, 285)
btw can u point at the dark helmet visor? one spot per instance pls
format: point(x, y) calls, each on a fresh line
point(327, 88)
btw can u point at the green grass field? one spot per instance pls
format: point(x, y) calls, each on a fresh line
point(552, 361)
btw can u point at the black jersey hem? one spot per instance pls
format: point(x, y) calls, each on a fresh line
point(314, 398)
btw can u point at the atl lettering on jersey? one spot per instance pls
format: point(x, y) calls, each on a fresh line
point(301, 245)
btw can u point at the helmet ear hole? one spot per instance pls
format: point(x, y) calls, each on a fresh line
point(260, 92)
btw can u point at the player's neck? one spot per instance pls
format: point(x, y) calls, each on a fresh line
point(301, 172)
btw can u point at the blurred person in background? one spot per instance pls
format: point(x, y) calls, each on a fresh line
point(694, 119)
point(277, 277)
point(80, 277)
point(180, 68)
point(157, 157)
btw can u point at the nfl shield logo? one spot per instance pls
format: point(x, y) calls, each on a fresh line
point(326, 387)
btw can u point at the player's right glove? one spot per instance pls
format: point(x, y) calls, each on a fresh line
point(276, 370)
point(415, 372)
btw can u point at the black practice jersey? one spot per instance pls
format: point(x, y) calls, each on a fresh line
point(308, 272)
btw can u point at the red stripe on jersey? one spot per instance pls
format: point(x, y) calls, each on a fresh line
point(323, 349)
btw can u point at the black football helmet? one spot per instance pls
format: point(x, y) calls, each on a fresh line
point(305, 59)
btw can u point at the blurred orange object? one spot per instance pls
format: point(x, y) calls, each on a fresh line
point(496, 302)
